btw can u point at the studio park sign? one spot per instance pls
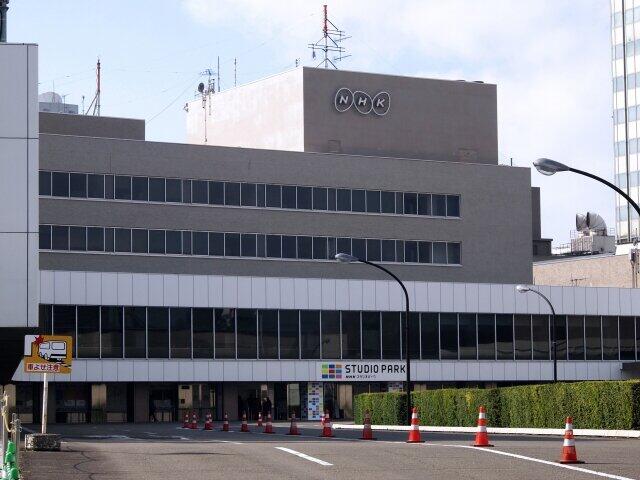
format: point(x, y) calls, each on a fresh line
point(364, 103)
point(361, 371)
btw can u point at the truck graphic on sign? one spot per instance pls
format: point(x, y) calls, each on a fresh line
point(53, 351)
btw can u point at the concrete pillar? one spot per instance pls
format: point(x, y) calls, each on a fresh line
point(230, 400)
point(141, 402)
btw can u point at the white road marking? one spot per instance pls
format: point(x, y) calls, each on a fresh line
point(305, 456)
point(532, 459)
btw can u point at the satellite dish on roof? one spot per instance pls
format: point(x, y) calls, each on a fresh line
point(201, 87)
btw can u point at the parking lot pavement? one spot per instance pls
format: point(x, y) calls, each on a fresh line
point(151, 451)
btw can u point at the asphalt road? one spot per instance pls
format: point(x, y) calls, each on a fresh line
point(153, 451)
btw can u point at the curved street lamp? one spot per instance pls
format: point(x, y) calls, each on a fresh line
point(554, 343)
point(346, 258)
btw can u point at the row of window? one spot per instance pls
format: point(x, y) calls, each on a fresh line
point(237, 194)
point(160, 332)
point(619, 147)
point(251, 245)
point(633, 114)
point(633, 81)
point(631, 15)
point(632, 48)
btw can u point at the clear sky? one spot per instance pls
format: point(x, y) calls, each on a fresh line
point(550, 59)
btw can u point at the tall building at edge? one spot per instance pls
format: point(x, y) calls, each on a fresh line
point(201, 277)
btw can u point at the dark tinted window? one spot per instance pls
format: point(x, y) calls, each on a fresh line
point(453, 206)
point(95, 184)
point(44, 183)
point(304, 247)
point(248, 194)
point(373, 201)
point(388, 251)
point(359, 248)
point(330, 335)
point(60, 238)
point(399, 202)
point(610, 338)
point(174, 242)
point(390, 335)
point(158, 332)
point(319, 198)
point(232, 244)
point(373, 250)
point(199, 191)
point(522, 331)
point(273, 196)
point(225, 335)
point(135, 332)
point(448, 336)
point(216, 244)
point(216, 193)
point(430, 336)
point(371, 335)
point(45, 237)
point(453, 253)
point(202, 333)
point(139, 241)
point(78, 185)
point(467, 332)
point(157, 190)
point(575, 341)
point(173, 190)
point(109, 239)
point(111, 324)
point(343, 245)
point(200, 243)
point(187, 247)
point(122, 187)
point(109, 189)
point(439, 252)
point(627, 338)
point(260, 246)
point(268, 334)
point(387, 202)
point(122, 240)
point(95, 239)
point(64, 322)
point(410, 251)
point(156, 241)
point(260, 195)
point(231, 193)
point(410, 203)
point(486, 337)
point(248, 245)
point(424, 252)
point(140, 188)
point(310, 334)
point(274, 249)
point(331, 199)
point(60, 184)
point(320, 248)
point(343, 200)
point(399, 251)
point(186, 191)
point(77, 238)
point(88, 332)
point(358, 201)
point(304, 198)
point(351, 335)
point(540, 329)
point(289, 334)
point(180, 319)
point(424, 204)
point(288, 197)
point(247, 333)
point(504, 336)
point(438, 205)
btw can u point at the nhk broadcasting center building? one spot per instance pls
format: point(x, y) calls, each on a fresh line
point(201, 276)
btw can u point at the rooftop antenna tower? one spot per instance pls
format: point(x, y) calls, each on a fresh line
point(4, 6)
point(331, 42)
point(95, 103)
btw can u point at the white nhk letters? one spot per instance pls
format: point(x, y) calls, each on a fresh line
point(362, 101)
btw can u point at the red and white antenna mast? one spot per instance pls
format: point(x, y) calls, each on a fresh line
point(331, 42)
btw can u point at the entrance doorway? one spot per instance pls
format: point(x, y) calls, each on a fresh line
point(163, 402)
point(251, 399)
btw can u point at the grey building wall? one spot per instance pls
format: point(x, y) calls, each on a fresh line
point(494, 228)
point(90, 126)
point(585, 271)
point(536, 222)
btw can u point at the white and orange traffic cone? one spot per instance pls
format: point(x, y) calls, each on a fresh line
point(194, 421)
point(367, 433)
point(268, 428)
point(327, 428)
point(245, 427)
point(293, 428)
point(259, 419)
point(414, 433)
point(225, 423)
point(208, 423)
point(186, 424)
point(482, 439)
point(569, 454)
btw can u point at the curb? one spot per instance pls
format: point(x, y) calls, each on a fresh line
point(496, 430)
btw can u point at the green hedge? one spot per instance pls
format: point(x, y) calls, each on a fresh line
point(602, 405)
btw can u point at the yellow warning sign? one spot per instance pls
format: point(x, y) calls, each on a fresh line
point(47, 353)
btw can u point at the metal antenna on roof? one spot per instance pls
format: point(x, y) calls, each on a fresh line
point(331, 41)
point(95, 103)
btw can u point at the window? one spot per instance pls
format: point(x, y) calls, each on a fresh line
point(216, 244)
point(45, 319)
point(274, 248)
point(358, 201)
point(331, 199)
point(248, 245)
point(343, 200)
point(610, 338)
point(319, 198)
point(64, 322)
point(388, 250)
point(109, 189)
point(232, 244)
point(575, 330)
point(289, 334)
point(248, 194)
point(78, 185)
point(387, 202)
point(173, 190)
point(351, 335)
point(359, 247)
point(139, 241)
point(202, 333)
point(140, 189)
point(157, 190)
point(199, 191)
point(522, 331)
point(561, 337)
point(453, 253)
point(429, 336)
point(88, 332)
point(304, 198)
point(268, 334)
point(173, 242)
point(274, 196)
point(410, 203)
point(399, 203)
point(232, 193)
point(260, 195)
point(486, 337)
point(343, 245)
point(95, 186)
point(156, 241)
point(247, 334)
point(593, 339)
point(424, 252)
point(310, 334)
point(135, 332)
point(504, 336)
point(111, 324)
point(304, 247)
point(44, 183)
point(158, 332)
point(60, 184)
point(467, 332)
point(180, 332)
point(44, 237)
point(453, 206)
point(320, 248)
point(330, 325)
point(540, 330)
point(390, 335)
point(410, 251)
point(109, 239)
point(59, 238)
point(399, 251)
point(439, 252)
point(288, 197)
point(200, 243)
point(448, 336)
point(122, 240)
point(414, 335)
point(373, 201)
point(122, 187)
point(438, 205)
point(371, 335)
point(373, 250)
point(627, 339)
point(78, 238)
point(225, 334)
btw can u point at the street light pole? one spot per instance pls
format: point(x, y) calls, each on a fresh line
point(346, 258)
point(554, 343)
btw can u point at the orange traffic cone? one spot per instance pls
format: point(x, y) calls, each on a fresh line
point(185, 424)
point(268, 428)
point(569, 454)
point(245, 426)
point(327, 428)
point(482, 439)
point(194, 421)
point(259, 419)
point(225, 424)
point(293, 428)
point(208, 423)
point(414, 433)
point(367, 433)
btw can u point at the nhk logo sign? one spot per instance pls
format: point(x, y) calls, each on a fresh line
point(358, 371)
point(362, 102)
